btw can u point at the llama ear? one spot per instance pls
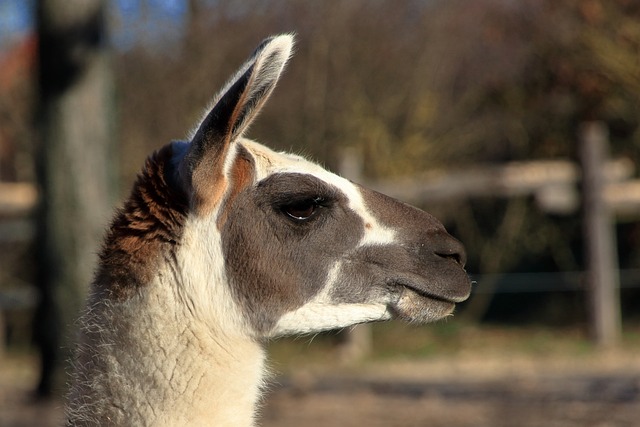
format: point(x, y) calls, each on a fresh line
point(234, 108)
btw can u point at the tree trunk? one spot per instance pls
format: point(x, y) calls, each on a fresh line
point(75, 169)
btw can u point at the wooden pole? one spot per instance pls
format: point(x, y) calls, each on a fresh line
point(358, 341)
point(599, 237)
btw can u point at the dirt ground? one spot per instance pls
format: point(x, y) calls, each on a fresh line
point(541, 397)
point(592, 390)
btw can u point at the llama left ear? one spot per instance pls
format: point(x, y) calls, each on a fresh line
point(234, 108)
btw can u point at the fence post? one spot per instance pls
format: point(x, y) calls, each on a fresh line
point(358, 341)
point(603, 295)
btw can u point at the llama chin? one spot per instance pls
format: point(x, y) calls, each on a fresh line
point(224, 243)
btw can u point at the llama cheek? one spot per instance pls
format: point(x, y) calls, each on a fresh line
point(268, 274)
point(328, 310)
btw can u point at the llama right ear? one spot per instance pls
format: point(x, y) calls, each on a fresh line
point(233, 110)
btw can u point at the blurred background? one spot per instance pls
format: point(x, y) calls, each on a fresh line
point(515, 122)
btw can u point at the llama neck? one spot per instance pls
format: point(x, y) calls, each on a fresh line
point(148, 361)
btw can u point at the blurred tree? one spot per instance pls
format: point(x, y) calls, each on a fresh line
point(75, 169)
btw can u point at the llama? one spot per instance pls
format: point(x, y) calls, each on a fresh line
point(223, 244)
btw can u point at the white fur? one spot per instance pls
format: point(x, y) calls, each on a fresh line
point(317, 316)
point(203, 279)
point(171, 370)
point(233, 395)
point(183, 348)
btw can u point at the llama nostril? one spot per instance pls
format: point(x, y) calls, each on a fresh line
point(453, 250)
point(455, 257)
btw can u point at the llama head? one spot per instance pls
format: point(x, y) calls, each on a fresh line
point(283, 246)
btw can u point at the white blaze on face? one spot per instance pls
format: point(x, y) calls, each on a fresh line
point(374, 232)
point(270, 162)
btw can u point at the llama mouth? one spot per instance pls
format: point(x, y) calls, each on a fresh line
point(416, 305)
point(429, 295)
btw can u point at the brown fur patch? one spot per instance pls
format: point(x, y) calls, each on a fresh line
point(242, 175)
point(144, 232)
point(208, 183)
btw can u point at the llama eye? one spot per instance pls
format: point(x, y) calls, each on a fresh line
point(302, 210)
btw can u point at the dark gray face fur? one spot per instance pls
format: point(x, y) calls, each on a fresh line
point(280, 263)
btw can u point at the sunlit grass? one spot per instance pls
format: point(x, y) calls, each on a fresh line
point(455, 339)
